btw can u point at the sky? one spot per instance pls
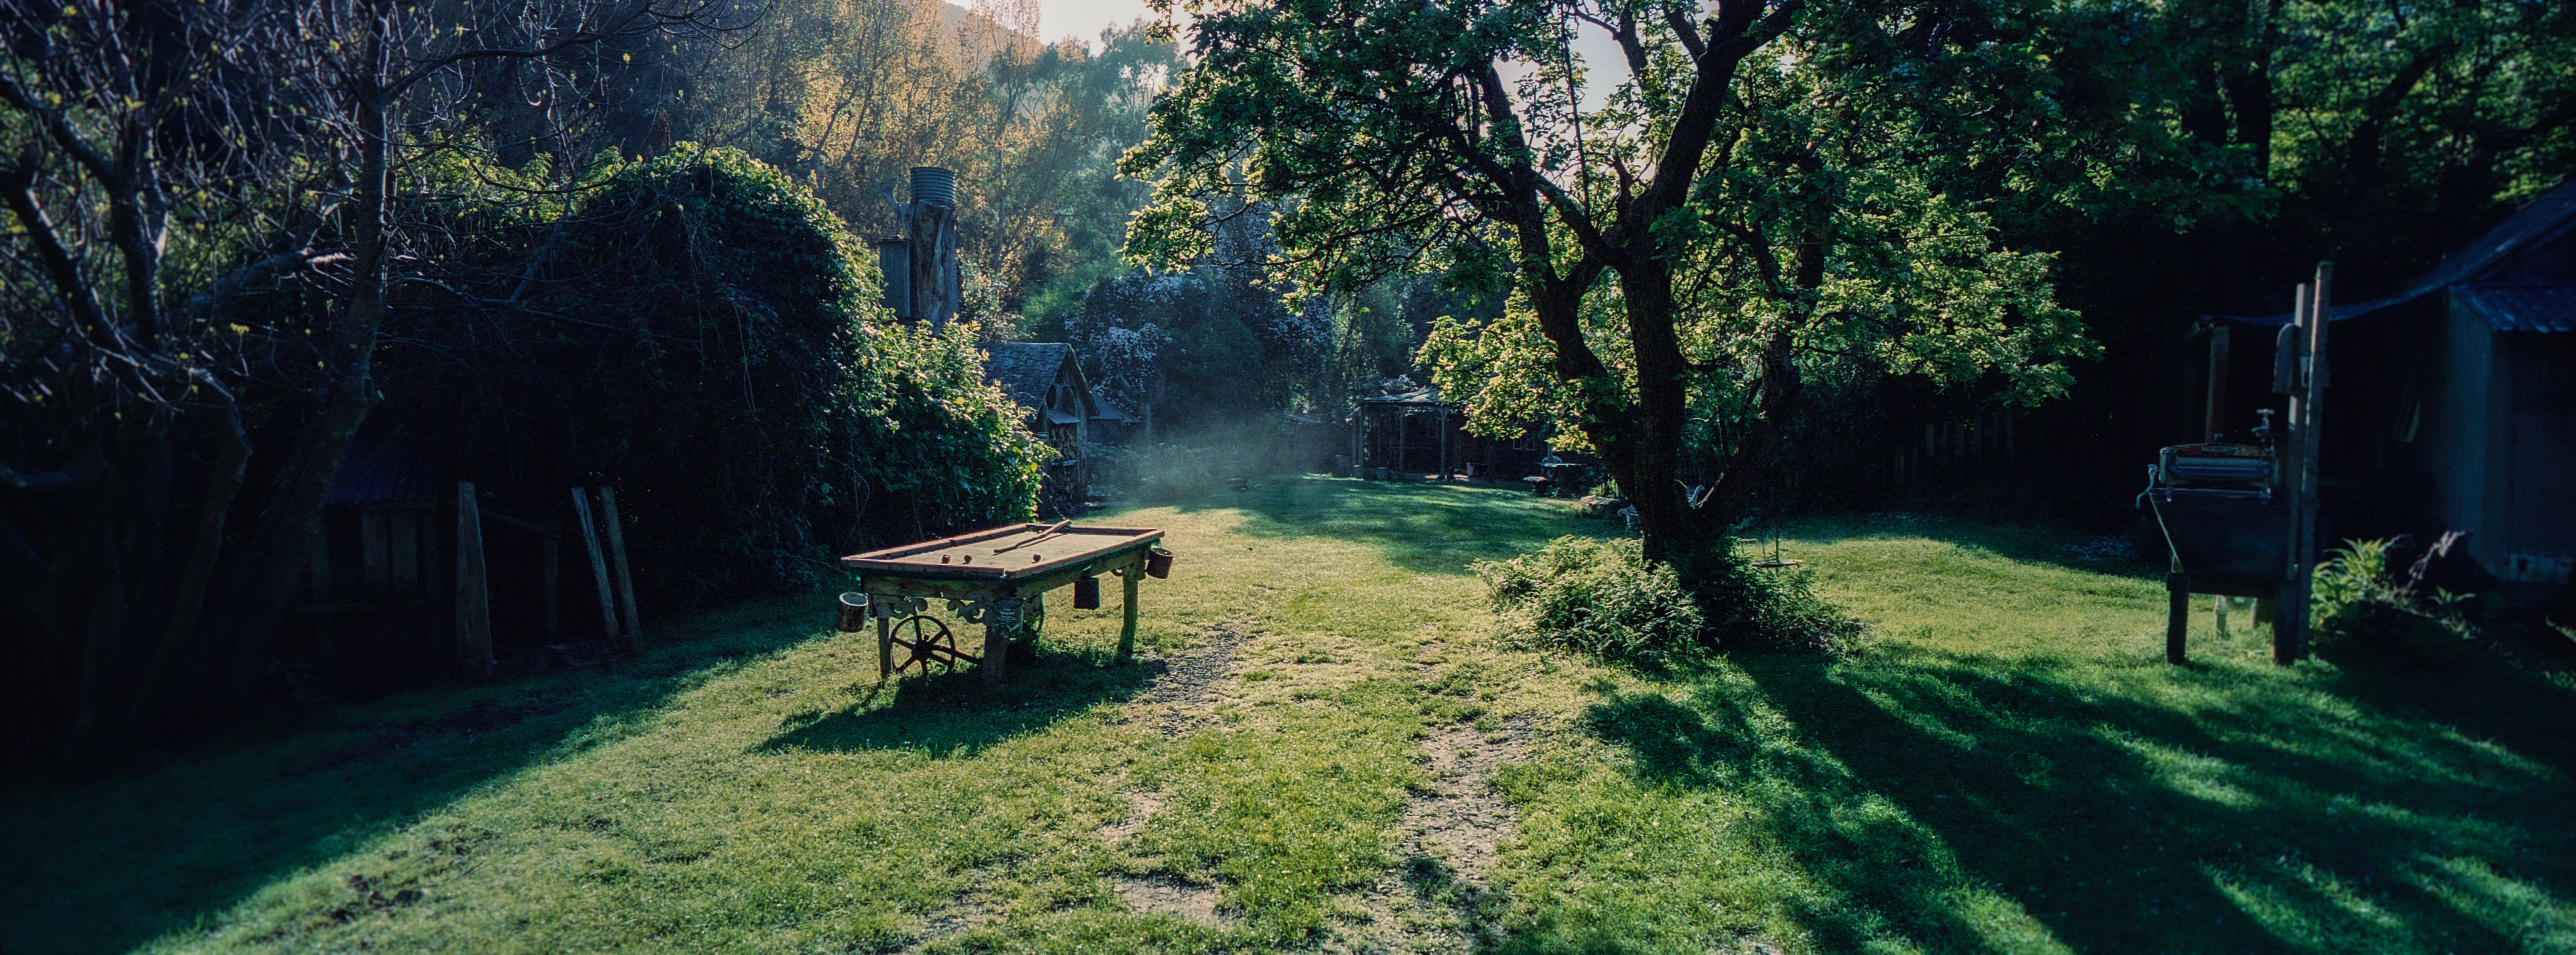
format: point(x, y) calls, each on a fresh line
point(1058, 19)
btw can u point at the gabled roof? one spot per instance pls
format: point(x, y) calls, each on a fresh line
point(2511, 306)
point(1028, 372)
point(1103, 409)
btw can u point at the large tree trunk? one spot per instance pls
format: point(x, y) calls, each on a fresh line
point(1665, 519)
point(262, 584)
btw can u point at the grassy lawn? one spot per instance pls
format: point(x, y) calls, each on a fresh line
point(1325, 749)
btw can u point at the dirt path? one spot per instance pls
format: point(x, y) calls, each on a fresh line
point(1432, 901)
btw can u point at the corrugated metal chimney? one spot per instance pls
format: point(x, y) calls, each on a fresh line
point(934, 185)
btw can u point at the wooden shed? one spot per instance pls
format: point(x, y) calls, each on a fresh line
point(1417, 433)
point(1043, 378)
point(2452, 404)
point(420, 579)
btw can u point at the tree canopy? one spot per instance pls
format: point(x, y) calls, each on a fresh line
point(1769, 182)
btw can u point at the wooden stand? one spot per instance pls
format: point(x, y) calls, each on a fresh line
point(900, 583)
point(2240, 551)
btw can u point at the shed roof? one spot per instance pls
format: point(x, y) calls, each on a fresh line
point(2522, 306)
point(1025, 370)
point(1028, 371)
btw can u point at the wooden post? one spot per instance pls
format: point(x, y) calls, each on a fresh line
point(2294, 577)
point(1359, 423)
point(2216, 419)
point(1127, 631)
point(617, 557)
point(2177, 614)
point(473, 596)
point(598, 565)
point(2320, 319)
point(2290, 630)
point(1444, 445)
point(1403, 419)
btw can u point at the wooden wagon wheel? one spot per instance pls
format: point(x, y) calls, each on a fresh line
point(926, 641)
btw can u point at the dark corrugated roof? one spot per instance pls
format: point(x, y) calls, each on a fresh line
point(2535, 223)
point(2522, 306)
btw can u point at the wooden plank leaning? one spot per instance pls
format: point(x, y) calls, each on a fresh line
point(598, 562)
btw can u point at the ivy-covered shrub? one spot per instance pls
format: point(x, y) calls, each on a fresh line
point(1602, 598)
point(701, 333)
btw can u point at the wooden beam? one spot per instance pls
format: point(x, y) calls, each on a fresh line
point(617, 559)
point(2215, 421)
point(473, 596)
point(370, 606)
point(598, 563)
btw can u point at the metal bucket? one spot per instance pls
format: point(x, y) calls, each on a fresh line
point(851, 616)
point(1086, 593)
point(1158, 562)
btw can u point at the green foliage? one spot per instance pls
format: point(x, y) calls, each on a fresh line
point(702, 332)
point(1597, 597)
point(1605, 599)
point(1777, 610)
point(2354, 595)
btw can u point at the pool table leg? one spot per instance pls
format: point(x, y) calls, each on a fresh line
point(997, 644)
point(885, 646)
point(1127, 633)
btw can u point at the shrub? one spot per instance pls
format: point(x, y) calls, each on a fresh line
point(1779, 611)
point(2354, 595)
point(1604, 599)
point(1597, 597)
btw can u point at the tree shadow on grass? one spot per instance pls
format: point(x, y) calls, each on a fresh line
point(957, 715)
point(108, 864)
point(1421, 527)
point(2147, 810)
